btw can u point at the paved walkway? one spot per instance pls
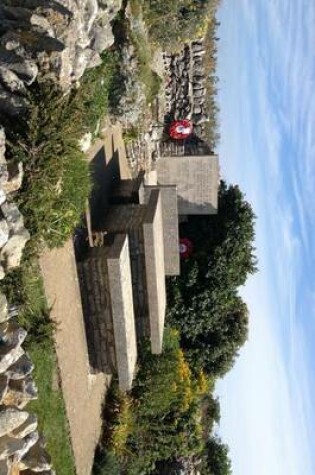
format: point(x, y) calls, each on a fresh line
point(83, 393)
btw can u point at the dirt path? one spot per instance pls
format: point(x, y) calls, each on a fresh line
point(83, 393)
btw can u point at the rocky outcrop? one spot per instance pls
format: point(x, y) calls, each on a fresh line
point(13, 235)
point(21, 447)
point(185, 88)
point(58, 38)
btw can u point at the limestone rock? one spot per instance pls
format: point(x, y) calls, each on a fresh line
point(20, 392)
point(11, 419)
point(11, 334)
point(16, 448)
point(23, 367)
point(2, 145)
point(9, 354)
point(3, 196)
point(29, 426)
point(4, 468)
point(3, 308)
point(4, 232)
point(11, 81)
point(4, 383)
point(11, 253)
point(15, 179)
point(37, 459)
point(12, 104)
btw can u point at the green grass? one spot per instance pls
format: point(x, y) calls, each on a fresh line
point(50, 408)
point(57, 181)
point(25, 288)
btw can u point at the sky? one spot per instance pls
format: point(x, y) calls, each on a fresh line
point(267, 101)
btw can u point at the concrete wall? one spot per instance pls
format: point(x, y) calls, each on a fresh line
point(120, 287)
point(197, 180)
point(105, 281)
point(170, 225)
point(155, 271)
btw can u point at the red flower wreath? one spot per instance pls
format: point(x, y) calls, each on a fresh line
point(185, 248)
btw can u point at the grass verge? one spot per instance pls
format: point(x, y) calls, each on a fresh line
point(24, 287)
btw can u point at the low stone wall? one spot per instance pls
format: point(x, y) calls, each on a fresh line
point(170, 224)
point(155, 271)
point(120, 287)
point(13, 235)
point(106, 289)
point(21, 446)
point(185, 89)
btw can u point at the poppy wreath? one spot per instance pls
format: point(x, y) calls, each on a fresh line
point(185, 248)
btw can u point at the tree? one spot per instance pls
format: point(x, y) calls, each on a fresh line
point(204, 301)
point(217, 461)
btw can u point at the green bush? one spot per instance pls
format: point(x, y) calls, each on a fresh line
point(161, 418)
point(56, 182)
point(186, 17)
point(105, 463)
point(204, 304)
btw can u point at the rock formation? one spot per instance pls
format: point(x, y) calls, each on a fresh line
point(21, 447)
point(58, 38)
point(13, 235)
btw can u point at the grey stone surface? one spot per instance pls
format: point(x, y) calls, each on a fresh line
point(29, 426)
point(23, 367)
point(3, 308)
point(120, 288)
point(197, 180)
point(4, 232)
point(11, 419)
point(155, 271)
point(170, 226)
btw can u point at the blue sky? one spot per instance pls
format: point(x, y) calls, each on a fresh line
point(267, 100)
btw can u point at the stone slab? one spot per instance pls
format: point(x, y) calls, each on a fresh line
point(197, 180)
point(170, 225)
point(120, 288)
point(155, 270)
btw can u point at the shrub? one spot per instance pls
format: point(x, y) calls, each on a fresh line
point(187, 17)
point(162, 417)
point(56, 182)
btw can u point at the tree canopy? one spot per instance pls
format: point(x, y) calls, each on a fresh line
point(203, 301)
point(217, 458)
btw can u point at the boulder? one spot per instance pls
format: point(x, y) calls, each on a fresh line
point(12, 104)
point(3, 308)
point(4, 383)
point(4, 234)
point(36, 460)
point(15, 178)
point(10, 419)
point(11, 81)
point(16, 449)
point(4, 468)
point(20, 392)
point(11, 253)
point(29, 426)
point(21, 368)
point(25, 69)
point(9, 355)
